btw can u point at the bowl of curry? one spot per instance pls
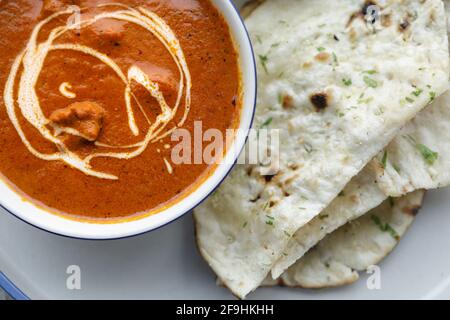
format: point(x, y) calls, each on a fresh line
point(108, 109)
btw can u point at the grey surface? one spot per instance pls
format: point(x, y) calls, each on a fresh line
point(165, 264)
point(3, 295)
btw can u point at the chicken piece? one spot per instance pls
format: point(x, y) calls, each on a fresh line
point(86, 117)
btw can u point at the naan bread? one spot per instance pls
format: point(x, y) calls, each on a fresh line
point(402, 168)
point(362, 243)
point(418, 158)
point(336, 89)
point(359, 196)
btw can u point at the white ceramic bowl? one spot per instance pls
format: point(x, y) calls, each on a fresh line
point(26, 211)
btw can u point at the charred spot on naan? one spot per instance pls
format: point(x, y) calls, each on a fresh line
point(412, 210)
point(307, 65)
point(287, 101)
point(377, 167)
point(361, 14)
point(404, 25)
point(322, 57)
point(269, 178)
point(320, 100)
point(386, 20)
point(406, 21)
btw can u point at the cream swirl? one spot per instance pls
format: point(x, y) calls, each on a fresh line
point(65, 88)
point(31, 61)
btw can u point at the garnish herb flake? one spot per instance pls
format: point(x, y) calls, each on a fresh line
point(370, 82)
point(429, 155)
point(347, 82)
point(267, 122)
point(263, 59)
point(270, 220)
point(280, 98)
point(384, 160)
point(432, 96)
point(365, 101)
point(335, 59)
point(385, 227)
point(308, 148)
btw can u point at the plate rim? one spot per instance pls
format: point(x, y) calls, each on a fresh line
point(11, 289)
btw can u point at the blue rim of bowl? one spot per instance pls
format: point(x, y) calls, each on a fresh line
point(11, 289)
point(16, 293)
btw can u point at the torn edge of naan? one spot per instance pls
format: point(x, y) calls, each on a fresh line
point(250, 6)
point(419, 158)
point(359, 196)
point(235, 234)
point(355, 247)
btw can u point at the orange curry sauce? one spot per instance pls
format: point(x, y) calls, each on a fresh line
point(95, 105)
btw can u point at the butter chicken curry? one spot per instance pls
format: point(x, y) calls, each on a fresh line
point(92, 91)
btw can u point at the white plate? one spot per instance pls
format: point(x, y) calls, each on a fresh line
point(164, 264)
